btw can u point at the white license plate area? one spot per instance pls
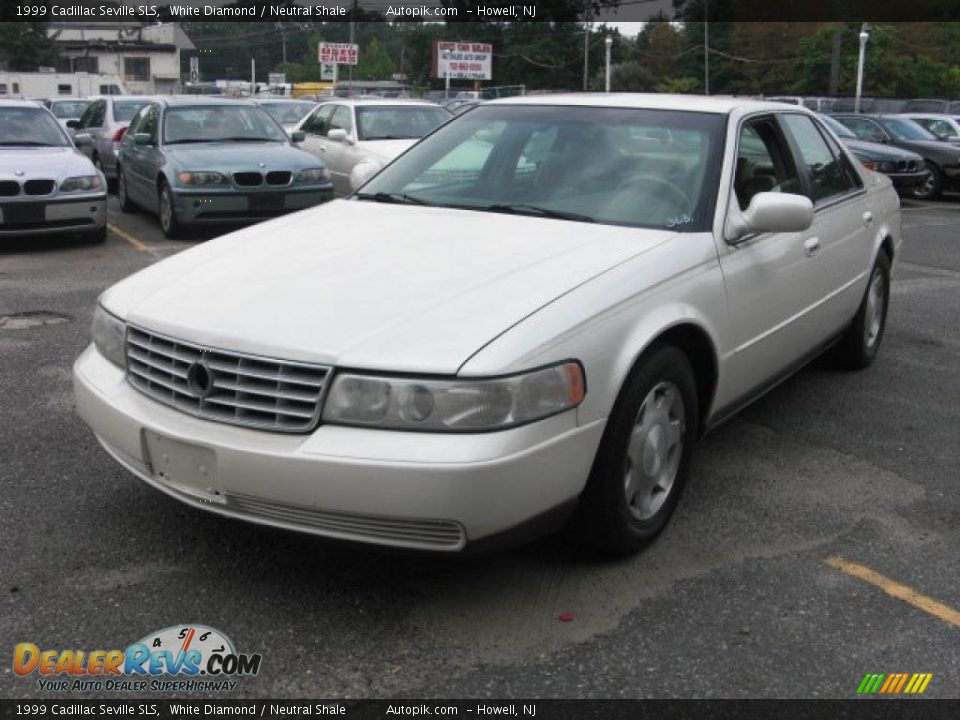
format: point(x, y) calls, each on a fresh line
point(188, 468)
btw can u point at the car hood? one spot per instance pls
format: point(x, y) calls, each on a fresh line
point(43, 162)
point(376, 286)
point(238, 156)
point(386, 150)
point(879, 151)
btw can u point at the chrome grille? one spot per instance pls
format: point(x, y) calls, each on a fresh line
point(435, 534)
point(238, 389)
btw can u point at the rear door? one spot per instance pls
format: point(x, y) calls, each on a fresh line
point(843, 219)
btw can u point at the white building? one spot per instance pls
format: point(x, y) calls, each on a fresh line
point(145, 56)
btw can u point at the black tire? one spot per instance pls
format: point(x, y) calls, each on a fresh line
point(932, 187)
point(606, 519)
point(861, 341)
point(96, 236)
point(169, 223)
point(126, 205)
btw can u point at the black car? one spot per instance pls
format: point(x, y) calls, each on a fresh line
point(906, 169)
point(941, 158)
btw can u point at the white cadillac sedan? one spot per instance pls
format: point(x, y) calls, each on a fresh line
point(470, 351)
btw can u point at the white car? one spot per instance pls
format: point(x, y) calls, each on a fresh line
point(356, 138)
point(47, 186)
point(945, 127)
point(473, 350)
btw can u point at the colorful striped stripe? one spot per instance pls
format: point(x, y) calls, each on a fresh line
point(894, 683)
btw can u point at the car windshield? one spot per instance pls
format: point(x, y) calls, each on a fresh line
point(29, 126)
point(640, 168)
point(68, 109)
point(220, 123)
point(839, 129)
point(124, 110)
point(394, 122)
point(288, 112)
point(906, 130)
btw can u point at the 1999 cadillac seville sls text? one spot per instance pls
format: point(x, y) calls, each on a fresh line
point(532, 313)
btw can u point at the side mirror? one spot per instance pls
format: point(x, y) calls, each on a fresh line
point(142, 139)
point(298, 136)
point(73, 124)
point(338, 135)
point(82, 140)
point(361, 173)
point(774, 212)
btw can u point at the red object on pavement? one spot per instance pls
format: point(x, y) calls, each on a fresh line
point(565, 617)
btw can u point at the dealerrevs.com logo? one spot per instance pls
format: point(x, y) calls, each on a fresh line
point(179, 658)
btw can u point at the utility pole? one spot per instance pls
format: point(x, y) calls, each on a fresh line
point(586, 51)
point(609, 44)
point(706, 48)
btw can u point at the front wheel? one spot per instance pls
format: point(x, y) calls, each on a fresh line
point(124, 199)
point(168, 213)
point(641, 465)
point(861, 341)
point(932, 186)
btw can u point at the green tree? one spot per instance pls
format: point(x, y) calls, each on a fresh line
point(374, 62)
point(26, 46)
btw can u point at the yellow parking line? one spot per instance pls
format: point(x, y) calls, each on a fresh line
point(901, 592)
point(136, 242)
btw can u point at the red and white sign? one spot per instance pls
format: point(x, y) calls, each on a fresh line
point(464, 60)
point(338, 53)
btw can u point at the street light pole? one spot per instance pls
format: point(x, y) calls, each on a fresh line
point(706, 48)
point(586, 51)
point(864, 36)
point(609, 43)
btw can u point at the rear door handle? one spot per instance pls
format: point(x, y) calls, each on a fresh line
point(811, 246)
point(868, 218)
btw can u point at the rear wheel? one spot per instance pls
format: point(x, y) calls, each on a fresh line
point(932, 186)
point(168, 213)
point(860, 343)
point(641, 465)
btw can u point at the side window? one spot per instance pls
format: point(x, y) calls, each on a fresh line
point(865, 129)
point(150, 123)
point(825, 171)
point(852, 176)
point(319, 121)
point(342, 119)
point(86, 120)
point(763, 165)
point(135, 124)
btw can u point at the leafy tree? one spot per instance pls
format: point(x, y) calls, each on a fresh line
point(373, 63)
point(26, 46)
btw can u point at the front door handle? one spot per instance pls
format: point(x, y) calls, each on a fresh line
point(811, 246)
point(868, 218)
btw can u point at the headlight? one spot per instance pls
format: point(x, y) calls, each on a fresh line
point(458, 405)
point(108, 336)
point(81, 182)
point(313, 175)
point(887, 167)
point(201, 177)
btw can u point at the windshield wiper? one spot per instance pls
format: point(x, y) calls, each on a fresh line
point(537, 211)
point(386, 197)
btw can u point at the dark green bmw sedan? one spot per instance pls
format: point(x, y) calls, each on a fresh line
point(194, 160)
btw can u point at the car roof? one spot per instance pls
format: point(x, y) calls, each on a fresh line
point(382, 101)
point(19, 102)
point(183, 100)
point(648, 101)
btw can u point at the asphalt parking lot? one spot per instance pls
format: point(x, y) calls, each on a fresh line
point(760, 587)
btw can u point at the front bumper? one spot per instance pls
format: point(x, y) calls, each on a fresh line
point(424, 491)
point(39, 216)
point(908, 180)
point(209, 205)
